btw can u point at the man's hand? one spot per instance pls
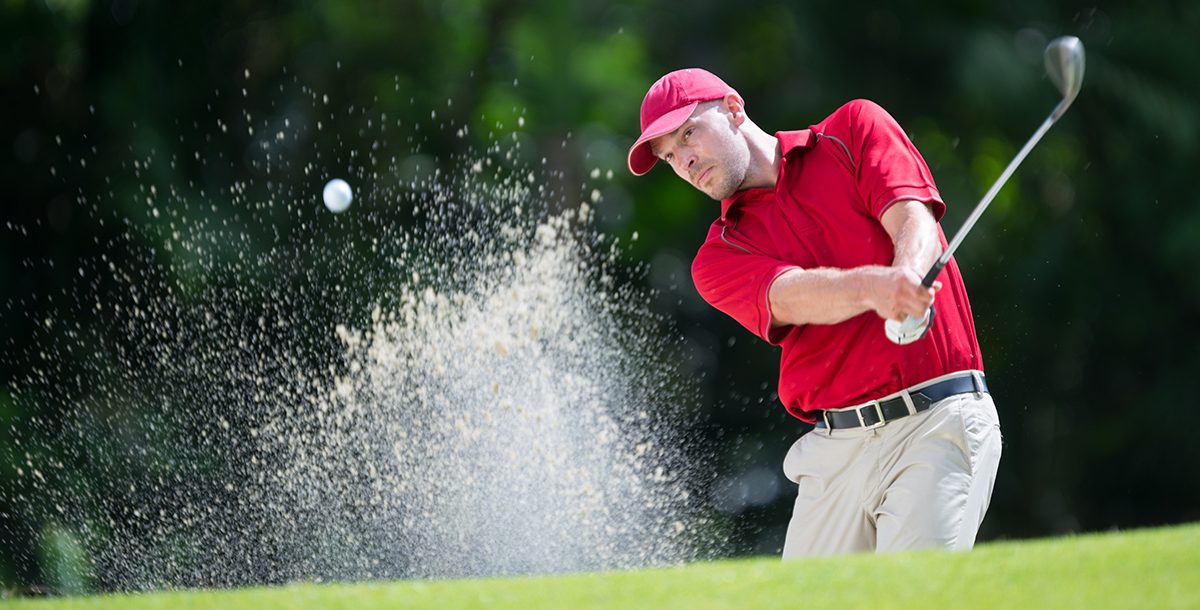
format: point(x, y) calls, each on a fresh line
point(896, 292)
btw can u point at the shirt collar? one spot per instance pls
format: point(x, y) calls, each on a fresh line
point(788, 141)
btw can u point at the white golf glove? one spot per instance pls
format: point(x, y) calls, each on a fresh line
point(910, 329)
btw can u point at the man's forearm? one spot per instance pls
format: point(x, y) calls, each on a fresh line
point(914, 234)
point(822, 296)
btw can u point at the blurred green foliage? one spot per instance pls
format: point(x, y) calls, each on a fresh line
point(1082, 275)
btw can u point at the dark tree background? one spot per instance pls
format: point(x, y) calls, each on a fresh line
point(1083, 274)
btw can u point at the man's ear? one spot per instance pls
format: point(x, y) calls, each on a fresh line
point(734, 104)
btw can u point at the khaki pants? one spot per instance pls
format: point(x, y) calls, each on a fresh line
point(918, 482)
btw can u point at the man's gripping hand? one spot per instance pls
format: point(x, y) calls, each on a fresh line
point(895, 293)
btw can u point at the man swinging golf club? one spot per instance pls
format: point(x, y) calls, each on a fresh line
point(822, 233)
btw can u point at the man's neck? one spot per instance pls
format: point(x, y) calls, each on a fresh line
point(765, 157)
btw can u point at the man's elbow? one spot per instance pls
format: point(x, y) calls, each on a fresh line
point(782, 306)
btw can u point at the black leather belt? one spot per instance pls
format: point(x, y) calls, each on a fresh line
point(879, 412)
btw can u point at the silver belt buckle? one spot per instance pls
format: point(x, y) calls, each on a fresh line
point(878, 412)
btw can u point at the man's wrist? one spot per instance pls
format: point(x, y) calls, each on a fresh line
point(866, 285)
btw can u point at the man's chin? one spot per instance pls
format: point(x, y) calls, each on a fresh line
point(719, 195)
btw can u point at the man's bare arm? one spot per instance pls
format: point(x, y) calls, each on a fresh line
point(829, 295)
point(914, 233)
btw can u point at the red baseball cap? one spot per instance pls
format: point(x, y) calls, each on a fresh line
point(668, 103)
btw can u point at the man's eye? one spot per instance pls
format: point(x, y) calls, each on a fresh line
point(667, 157)
point(687, 134)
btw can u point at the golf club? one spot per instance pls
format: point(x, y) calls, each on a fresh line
point(1064, 64)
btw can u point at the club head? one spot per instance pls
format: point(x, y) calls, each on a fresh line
point(1065, 64)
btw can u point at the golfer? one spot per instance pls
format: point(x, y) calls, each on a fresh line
point(823, 234)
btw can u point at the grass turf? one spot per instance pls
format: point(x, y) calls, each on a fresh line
point(1158, 568)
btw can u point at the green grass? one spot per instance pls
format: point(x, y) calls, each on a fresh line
point(1157, 568)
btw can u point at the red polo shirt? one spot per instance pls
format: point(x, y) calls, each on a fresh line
point(836, 180)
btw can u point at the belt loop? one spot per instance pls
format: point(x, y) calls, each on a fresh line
point(977, 382)
point(908, 402)
point(828, 422)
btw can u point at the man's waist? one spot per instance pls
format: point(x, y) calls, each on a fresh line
point(908, 401)
point(840, 365)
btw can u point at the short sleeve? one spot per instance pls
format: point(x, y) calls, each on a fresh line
point(888, 165)
point(737, 283)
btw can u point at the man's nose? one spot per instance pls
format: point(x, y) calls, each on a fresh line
point(681, 162)
point(689, 160)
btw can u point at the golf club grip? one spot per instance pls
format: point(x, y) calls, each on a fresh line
point(933, 273)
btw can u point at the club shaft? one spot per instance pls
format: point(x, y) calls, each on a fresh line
point(989, 196)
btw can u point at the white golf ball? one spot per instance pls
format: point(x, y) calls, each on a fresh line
point(337, 195)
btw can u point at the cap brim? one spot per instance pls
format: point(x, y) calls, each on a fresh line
point(641, 158)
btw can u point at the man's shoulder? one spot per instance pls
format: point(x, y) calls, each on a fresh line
point(854, 113)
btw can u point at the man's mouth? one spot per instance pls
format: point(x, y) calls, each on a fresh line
point(703, 175)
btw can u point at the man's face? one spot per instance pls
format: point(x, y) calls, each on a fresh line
point(707, 151)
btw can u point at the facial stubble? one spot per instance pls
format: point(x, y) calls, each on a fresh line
point(731, 170)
